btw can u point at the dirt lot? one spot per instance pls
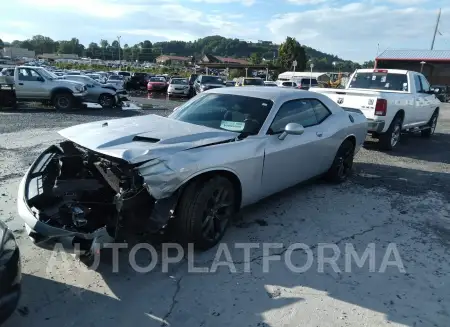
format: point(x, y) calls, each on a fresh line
point(401, 197)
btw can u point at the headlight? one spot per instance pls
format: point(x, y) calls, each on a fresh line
point(203, 87)
point(79, 88)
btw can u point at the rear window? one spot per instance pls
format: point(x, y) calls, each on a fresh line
point(253, 81)
point(157, 79)
point(179, 81)
point(379, 81)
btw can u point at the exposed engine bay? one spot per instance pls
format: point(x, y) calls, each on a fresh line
point(78, 190)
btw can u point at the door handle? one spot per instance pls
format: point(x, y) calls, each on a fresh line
point(20, 83)
point(319, 134)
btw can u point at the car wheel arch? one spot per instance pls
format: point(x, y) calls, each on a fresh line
point(60, 90)
point(206, 175)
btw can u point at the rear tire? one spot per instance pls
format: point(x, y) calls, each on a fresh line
point(390, 139)
point(204, 212)
point(342, 165)
point(427, 133)
point(63, 101)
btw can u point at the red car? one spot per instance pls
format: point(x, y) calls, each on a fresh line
point(157, 84)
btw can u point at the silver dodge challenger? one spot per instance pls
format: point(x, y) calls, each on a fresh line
point(188, 173)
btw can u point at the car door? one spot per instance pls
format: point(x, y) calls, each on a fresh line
point(293, 159)
point(30, 85)
point(430, 100)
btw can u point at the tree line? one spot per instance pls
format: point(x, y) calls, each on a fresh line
point(280, 55)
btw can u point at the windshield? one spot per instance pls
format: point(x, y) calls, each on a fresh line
point(224, 111)
point(379, 81)
point(114, 78)
point(211, 80)
point(157, 79)
point(124, 73)
point(253, 81)
point(180, 81)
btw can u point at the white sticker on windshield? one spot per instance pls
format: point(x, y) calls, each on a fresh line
point(386, 85)
point(234, 126)
point(383, 79)
point(374, 77)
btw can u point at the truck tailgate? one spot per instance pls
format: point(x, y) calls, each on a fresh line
point(363, 100)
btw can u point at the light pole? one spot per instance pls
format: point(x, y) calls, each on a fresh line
point(246, 72)
point(311, 65)
point(421, 65)
point(120, 64)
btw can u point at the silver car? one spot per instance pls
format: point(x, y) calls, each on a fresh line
point(190, 172)
point(116, 80)
point(106, 95)
point(178, 86)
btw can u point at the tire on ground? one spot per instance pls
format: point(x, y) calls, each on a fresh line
point(385, 139)
point(342, 165)
point(63, 101)
point(191, 208)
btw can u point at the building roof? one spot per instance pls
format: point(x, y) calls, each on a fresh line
point(416, 55)
point(233, 60)
point(164, 57)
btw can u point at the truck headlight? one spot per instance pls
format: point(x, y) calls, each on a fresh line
point(79, 88)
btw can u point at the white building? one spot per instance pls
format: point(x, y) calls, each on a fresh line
point(13, 52)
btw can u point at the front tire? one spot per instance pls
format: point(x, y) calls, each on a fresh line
point(63, 101)
point(106, 101)
point(427, 133)
point(342, 165)
point(205, 211)
point(391, 137)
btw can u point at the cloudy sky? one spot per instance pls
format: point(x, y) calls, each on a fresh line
point(346, 28)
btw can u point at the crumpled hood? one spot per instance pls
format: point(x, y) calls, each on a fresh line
point(142, 138)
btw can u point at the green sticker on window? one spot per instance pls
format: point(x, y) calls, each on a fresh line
point(234, 126)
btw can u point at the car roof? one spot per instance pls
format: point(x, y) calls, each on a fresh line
point(263, 92)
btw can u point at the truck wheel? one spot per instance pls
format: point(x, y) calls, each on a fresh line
point(204, 212)
point(391, 137)
point(342, 165)
point(432, 126)
point(106, 100)
point(63, 101)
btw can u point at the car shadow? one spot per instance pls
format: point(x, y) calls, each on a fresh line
point(435, 149)
point(180, 297)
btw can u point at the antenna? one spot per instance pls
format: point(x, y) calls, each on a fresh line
point(436, 29)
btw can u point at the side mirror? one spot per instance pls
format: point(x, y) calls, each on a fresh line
point(292, 129)
point(40, 79)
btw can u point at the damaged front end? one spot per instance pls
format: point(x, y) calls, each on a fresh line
point(77, 196)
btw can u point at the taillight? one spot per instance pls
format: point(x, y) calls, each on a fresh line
point(299, 86)
point(381, 107)
point(384, 71)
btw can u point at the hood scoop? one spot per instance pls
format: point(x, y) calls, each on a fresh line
point(138, 138)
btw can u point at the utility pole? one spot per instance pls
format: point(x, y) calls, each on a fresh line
point(436, 28)
point(120, 64)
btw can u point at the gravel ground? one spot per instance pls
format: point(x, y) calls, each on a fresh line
point(400, 197)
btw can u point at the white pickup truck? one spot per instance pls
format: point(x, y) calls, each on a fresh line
point(393, 101)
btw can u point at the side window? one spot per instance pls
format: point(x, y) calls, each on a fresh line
point(23, 74)
point(425, 84)
point(294, 84)
point(295, 111)
point(418, 84)
point(320, 110)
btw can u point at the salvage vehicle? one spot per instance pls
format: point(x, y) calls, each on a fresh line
point(207, 82)
point(442, 92)
point(178, 86)
point(393, 101)
point(189, 173)
point(116, 80)
point(106, 95)
point(157, 84)
point(10, 273)
point(38, 84)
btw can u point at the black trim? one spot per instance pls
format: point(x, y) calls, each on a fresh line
point(318, 123)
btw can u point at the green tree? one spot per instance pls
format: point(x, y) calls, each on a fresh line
point(104, 45)
point(2, 45)
point(256, 58)
point(291, 51)
point(146, 53)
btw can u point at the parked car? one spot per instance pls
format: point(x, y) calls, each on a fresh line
point(393, 100)
point(442, 92)
point(125, 75)
point(287, 84)
point(249, 81)
point(115, 80)
point(157, 84)
point(305, 83)
point(10, 273)
point(190, 172)
point(38, 84)
point(99, 78)
point(270, 83)
point(105, 95)
point(207, 82)
point(138, 81)
point(230, 83)
point(178, 86)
